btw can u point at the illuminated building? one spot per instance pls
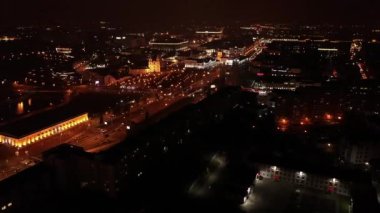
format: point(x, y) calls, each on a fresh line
point(207, 32)
point(210, 34)
point(63, 50)
point(326, 48)
point(169, 44)
point(206, 63)
point(25, 132)
point(285, 72)
point(309, 180)
point(153, 66)
point(7, 38)
point(229, 47)
point(232, 61)
point(219, 56)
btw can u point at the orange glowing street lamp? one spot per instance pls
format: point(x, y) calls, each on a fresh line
point(305, 121)
point(284, 121)
point(328, 116)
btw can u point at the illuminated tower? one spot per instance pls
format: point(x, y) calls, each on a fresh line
point(154, 64)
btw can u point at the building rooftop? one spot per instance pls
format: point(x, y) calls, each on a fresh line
point(167, 41)
point(210, 30)
point(31, 124)
point(202, 60)
point(228, 43)
point(65, 151)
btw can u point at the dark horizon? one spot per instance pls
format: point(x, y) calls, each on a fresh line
point(147, 14)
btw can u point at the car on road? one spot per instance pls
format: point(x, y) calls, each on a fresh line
point(27, 162)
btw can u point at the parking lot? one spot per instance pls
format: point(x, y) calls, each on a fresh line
point(268, 196)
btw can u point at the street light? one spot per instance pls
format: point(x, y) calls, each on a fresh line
point(328, 116)
point(284, 121)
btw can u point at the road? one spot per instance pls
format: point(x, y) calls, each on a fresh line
point(159, 94)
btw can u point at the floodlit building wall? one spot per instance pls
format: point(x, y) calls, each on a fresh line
point(44, 133)
point(329, 184)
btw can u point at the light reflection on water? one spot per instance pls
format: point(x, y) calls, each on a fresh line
point(23, 105)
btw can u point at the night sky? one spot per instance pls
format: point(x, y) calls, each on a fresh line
point(166, 12)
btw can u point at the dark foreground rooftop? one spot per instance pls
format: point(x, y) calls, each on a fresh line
point(198, 159)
